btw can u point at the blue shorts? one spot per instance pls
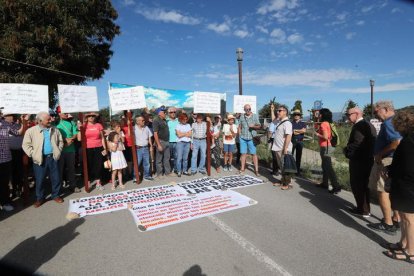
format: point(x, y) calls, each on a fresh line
point(247, 145)
point(228, 148)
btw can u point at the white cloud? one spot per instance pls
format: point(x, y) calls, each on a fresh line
point(350, 35)
point(270, 6)
point(342, 16)
point(278, 36)
point(367, 8)
point(219, 28)
point(360, 23)
point(190, 100)
point(241, 33)
point(262, 29)
point(157, 97)
point(295, 38)
point(396, 10)
point(391, 87)
point(172, 16)
point(128, 2)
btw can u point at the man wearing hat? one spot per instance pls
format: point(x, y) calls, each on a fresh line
point(161, 137)
point(70, 133)
point(299, 129)
point(7, 127)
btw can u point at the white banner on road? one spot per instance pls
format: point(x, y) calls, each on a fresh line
point(18, 98)
point(207, 102)
point(239, 101)
point(127, 98)
point(185, 208)
point(77, 98)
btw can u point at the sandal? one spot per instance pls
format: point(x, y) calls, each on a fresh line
point(113, 188)
point(396, 255)
point(256, 173)
point(286, 187)
point(241, 172)
point(122, 186)
point(394, 246)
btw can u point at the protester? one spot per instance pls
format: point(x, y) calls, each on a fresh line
point(249, 123)
point(299, 129)
point(237, 122)
point(15, 144)
point(7, 127)
point(44, 143)
point(215, 142)
point(229, 141)
point(128, 147)
point(402, 187)
point(184, 134)
point(198, 145)
point(360, 152)
point(282, 142)
point(143, 144)
point(162, 136)
point(118, 162)
point(271, 138)
point(173, 122)
point(324, 133)
point(70, 134)
point(95, 149)
point(387, 141)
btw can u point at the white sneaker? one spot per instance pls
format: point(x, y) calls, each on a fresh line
point(212, 146)
point(230, 168)
point(7, 207)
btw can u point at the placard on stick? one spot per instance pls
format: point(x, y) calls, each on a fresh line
point(239, 101)
point(127, 98)
point(77, 98)
point(17, 98)
point(207, 102)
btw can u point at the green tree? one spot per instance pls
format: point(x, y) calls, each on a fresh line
point(351, 104)
point(297, 105)
point(73, 36)
point(264, 112)
point(367, 111)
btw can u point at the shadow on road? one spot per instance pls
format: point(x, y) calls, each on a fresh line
point(32, 253)
point(336, 207)
point(195, 270)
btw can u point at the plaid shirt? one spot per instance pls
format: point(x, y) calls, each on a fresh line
point(199, 130)
point(244, 122)
point(6, 128)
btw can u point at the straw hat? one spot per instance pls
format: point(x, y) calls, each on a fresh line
point(296, 112)
point(230, 116)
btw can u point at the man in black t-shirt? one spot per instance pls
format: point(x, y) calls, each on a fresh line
point(161, 137)
point(299, 129)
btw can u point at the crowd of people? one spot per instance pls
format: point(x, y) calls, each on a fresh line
point(176, 143)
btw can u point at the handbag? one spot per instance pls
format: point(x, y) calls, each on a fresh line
point(289, 164)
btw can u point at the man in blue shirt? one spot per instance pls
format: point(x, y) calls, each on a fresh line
point(387, 141)
point(173, 122)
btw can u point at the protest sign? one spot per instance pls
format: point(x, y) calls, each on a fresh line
point(185, 208)
point(239, 101)
point(127, 98)
point(207, 102)
point(77, 98)
point(18, 98)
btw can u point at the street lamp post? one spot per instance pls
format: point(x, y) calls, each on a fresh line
point(239, 53)
point(371, 83)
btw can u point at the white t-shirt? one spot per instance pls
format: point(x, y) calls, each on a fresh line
point(227, 136)
point(283, 129)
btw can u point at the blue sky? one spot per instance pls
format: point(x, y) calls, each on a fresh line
point(293, 49)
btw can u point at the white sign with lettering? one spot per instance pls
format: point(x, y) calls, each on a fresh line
point(77, 98)
point(17, 98)
point(239, 101)
point(207, 102)
point(127, 98)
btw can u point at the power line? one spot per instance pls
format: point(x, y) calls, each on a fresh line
point(44, 68)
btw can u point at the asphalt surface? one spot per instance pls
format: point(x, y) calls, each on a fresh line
point(302, 231)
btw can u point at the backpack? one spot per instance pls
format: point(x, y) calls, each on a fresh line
point(334, 135)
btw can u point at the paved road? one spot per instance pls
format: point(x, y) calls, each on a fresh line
point(303, 231)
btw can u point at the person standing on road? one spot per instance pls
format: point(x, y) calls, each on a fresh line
point(7, 127)
point(229, 141)
point(387, 141)
point(44, 143)
point(143, 144)
point(360, 152)
point(162, 137)
point(402, 187)
point(172, 122)
point(199, 144)
point(249, 124)
point(184, 133)
point(271, 138)
point(282, 142)
point(324, 133)
point(299, 129)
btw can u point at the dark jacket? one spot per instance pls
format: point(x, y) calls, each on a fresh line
point(361, 142)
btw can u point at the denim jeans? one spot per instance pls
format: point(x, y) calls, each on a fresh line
point(143, 157)
point(49, 166)
point(182, 150)
point(199, 145)
point(173, 155)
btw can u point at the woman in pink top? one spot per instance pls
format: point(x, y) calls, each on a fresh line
point(95, 149)
point(324, 133)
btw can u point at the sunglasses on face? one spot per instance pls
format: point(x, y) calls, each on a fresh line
point(247, 109)
point(172, 112)
point(280, 110)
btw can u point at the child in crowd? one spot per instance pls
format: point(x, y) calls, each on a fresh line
point(229, 141)
point(117, 158)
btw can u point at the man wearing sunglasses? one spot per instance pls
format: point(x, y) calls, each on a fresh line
point(360, 152)
point(248, 125)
